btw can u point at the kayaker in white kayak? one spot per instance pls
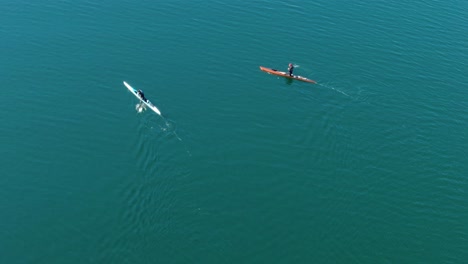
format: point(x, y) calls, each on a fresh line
point(290, 69)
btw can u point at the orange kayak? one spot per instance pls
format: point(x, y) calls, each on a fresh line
point(286, 75)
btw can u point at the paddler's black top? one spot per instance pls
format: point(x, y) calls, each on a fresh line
point(290, 69)
point(142, 95)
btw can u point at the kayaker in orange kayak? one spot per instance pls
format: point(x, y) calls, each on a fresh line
point(290, 69)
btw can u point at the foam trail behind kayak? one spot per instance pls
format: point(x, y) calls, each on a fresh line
point(334, 89)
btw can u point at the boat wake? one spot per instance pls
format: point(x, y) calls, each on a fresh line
point(171, 129)
point(167, 128)
point(334, 89)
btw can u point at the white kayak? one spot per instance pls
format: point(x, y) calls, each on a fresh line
point(147, 102)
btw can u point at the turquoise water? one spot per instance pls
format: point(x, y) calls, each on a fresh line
point(367, 166)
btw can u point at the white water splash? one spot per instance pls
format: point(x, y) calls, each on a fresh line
point(140, 107)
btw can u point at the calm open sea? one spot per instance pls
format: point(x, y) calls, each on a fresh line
point(368, 166)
